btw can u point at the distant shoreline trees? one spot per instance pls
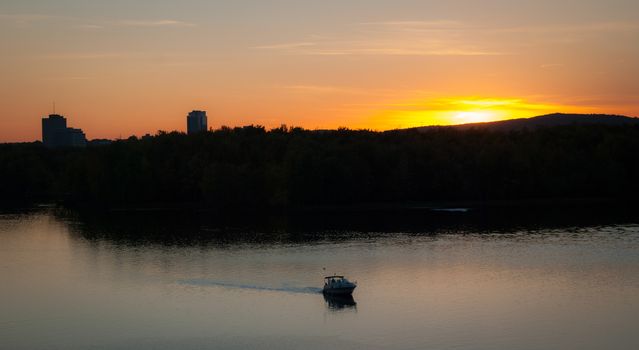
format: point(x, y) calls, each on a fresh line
point(250, 167)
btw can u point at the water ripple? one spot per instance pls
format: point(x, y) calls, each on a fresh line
point(211, 283)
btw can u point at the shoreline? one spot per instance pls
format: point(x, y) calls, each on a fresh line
point(459, 206)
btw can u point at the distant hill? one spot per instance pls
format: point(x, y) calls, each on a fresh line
point(549, 120)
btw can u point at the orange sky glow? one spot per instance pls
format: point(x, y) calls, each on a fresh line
point(130, 69)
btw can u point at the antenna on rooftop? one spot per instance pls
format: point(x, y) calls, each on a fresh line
point(53, 107)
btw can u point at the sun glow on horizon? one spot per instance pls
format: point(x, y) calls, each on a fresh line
point(473, 117)
point(464, 110)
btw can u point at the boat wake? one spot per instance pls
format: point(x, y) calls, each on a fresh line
point(285, 289)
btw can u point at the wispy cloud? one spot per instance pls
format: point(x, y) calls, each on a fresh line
point(381, 49)
point(89, 26)
point(84, 56)
point(444, 37)
point(551, 65)
point(88, 23)
point(401, 51)
point(70, 78)
point(415, 26)
point(471, 103)
point(285, 46)
point(392, 38)
point(326, 89)
point(452, 25)
point(584, 28)
point(25, 17)
point(152, 23)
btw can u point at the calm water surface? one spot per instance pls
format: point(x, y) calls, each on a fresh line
point(70, 284)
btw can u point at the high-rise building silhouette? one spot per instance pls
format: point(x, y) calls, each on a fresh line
point(53, 129)
point(196, 122)
point(55, 133)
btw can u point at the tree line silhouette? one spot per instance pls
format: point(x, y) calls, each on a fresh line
point(251, 167)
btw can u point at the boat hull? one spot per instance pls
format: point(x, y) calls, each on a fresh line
point(339, 291)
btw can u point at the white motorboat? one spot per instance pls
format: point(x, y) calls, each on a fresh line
point(338, 285)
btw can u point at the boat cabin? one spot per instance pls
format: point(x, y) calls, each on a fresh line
point(338, 285)
point(333, 279)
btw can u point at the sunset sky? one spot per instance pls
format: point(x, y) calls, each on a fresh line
point(117, 68)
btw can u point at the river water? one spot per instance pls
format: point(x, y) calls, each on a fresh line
point(71, 282)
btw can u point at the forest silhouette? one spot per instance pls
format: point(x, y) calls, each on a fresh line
point(254, 168)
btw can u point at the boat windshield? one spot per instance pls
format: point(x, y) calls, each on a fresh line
point(336, 280)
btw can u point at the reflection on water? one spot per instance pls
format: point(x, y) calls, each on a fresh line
point(340, 302)
point(191, 281)
point(194, 228)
